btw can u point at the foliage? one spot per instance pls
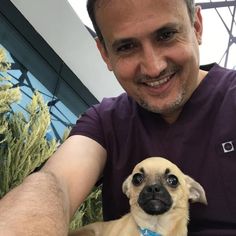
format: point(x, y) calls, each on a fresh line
point(23, 143)
point(90, 211)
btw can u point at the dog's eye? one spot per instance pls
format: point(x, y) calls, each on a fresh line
point(172, 180)
point(137, 179)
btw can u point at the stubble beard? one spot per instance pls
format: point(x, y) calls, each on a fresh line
point(166, 109)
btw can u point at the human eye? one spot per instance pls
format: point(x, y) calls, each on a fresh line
point(166, 35)
point(125, 47)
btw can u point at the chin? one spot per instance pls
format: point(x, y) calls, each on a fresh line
point(164, 109)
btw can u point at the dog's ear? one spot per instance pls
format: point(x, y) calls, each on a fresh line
point(196, 191)
point(126, 186)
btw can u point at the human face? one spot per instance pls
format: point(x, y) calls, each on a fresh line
point(152, 48)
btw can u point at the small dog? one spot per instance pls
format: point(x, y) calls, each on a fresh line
point(159, 195)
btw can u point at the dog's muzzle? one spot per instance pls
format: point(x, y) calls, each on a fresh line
point(155, 199)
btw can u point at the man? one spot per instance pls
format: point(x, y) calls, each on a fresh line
point(172, 109)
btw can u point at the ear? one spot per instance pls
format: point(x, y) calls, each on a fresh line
point(103, 51)
point(198, 26)
point(126, 186)
point(196, 191)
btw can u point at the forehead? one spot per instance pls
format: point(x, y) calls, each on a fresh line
point(157, 165)
point(124, 3)
point(122, 17)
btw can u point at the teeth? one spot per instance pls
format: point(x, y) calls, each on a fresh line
point(159, 82)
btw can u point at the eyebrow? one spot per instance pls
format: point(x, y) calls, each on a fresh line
point(169, 26)
point(167, 171)
point(142, 170)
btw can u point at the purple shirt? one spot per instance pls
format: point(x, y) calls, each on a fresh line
point(202, 142)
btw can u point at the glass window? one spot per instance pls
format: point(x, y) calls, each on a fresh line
point(39, 68)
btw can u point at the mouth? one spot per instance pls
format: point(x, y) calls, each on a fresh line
point(159, 82)
point(159, 86)
point(156, 206)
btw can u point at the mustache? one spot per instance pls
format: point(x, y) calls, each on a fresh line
point(142, 78)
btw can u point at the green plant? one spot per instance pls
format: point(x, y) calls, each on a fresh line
point(90, 211)
point(23, 143)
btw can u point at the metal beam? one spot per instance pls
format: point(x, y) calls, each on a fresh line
point(209, 5)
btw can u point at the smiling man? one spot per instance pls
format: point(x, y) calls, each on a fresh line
point(152, 48)
point(172, 108)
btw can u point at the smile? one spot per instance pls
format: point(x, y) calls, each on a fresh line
point(159, 82)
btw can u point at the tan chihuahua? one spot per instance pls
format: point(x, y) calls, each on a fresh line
point(159, 195)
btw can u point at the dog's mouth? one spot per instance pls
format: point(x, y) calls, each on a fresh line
point(153, 202)
point(155, 206)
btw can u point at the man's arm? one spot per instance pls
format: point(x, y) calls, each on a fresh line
point(44, 203)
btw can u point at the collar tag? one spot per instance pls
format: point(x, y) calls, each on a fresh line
point(147, 232)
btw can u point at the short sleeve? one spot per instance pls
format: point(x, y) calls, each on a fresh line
point(89, 125)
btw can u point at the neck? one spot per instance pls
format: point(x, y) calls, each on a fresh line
point(160, 224)
point(171, 118)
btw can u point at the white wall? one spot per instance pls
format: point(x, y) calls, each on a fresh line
point(59, 25)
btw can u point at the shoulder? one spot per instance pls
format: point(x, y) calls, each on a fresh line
point(116, 102)
point(219, 80)
point(120, 106)
point(103, 121)
point(217, 71)
point(105, 115)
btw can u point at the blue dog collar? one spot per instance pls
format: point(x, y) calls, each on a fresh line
point(147, 232)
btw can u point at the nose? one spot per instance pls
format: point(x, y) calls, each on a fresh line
point(152, 61)
point(156, 188)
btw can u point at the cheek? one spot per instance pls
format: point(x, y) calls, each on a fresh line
point(124, 70)
point(185, 50)
point(134, 195)
point(180, 197)
point(181, 55)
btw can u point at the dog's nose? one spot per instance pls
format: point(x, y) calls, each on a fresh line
point(156, 188)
